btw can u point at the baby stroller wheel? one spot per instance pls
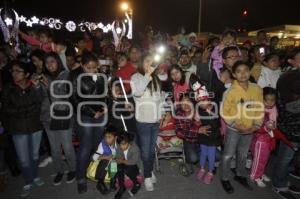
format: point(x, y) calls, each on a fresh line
point(183, 170)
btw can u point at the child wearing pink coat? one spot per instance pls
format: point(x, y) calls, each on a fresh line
point(264, 139)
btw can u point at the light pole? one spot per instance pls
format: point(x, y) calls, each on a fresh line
point(129, 15)
point(199, 16)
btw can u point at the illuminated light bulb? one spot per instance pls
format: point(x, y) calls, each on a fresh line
point(161, 49)
point(157, 58)
point(22, 19)
point(8, 21)
point(100, 25)
point(124, 6)
point(71, 26)
point(34, 20)
point(119, 30)
point(126, 21)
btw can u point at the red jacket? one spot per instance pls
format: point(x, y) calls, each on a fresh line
point(125, 73)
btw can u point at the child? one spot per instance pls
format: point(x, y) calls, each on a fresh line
point(128, 159)
point(187, 128)
point(228, 39)
point(105, 153)
point(210, 136)
point(243, 112)
point(271, 72)
point(226, 77)
point(264, 139)
point(167, 137)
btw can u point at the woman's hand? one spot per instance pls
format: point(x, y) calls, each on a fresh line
point(205, 130)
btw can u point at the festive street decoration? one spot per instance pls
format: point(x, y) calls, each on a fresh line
point(9, 26)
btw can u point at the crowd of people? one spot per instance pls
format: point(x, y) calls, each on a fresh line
point(82, 100)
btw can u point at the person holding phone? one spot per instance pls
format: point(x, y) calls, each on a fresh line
point(259, 55)
point(146, 90)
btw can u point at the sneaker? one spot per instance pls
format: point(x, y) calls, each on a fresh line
point(45, 162)
point(227, 186)
point(38, 182)
point(295, 174)
point(26, 191)
point(120, 193)
point(58, 179)
point(244, 182)
point(153, 178)
point(266, 178)
point(71, 176)
point(260, 183)
point(149, 184)
point(82, 188)
point(293, 189)
point(209, 177)
point(284, 194)
point(135, 188)
point(200, 174)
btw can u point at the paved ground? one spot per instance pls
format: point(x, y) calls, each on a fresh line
point(171, 185)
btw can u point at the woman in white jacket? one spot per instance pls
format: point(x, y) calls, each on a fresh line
point(271, 72)
point(146, 91)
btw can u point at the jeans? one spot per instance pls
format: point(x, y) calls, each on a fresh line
point(208, 153)
point(89, 138)
point(239, 144)
point(27, 148)
point(191, 152)
point(147, 135)
point(281, 167)
point(101, 170)
point(61, 139)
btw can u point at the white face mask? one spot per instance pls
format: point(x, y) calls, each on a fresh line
point(163, 77)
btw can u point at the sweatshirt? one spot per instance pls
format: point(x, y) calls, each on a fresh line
point(234, 109)
point(148, 106)
point(268, 77)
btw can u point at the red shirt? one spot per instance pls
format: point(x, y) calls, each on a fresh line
point(125, 73)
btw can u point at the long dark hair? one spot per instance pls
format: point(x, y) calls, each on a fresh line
point(60, 66)
point(177, 67)
point(155, 84)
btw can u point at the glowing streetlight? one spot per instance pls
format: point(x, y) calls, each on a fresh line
point(124, 6)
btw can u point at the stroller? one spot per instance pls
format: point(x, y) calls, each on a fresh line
point(169, 146)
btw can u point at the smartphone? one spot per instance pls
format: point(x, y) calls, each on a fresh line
point(262, 50)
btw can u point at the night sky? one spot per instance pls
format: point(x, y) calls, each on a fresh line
point(169, 15)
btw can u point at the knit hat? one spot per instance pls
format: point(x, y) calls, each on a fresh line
point(200, 92)
point(192, 34)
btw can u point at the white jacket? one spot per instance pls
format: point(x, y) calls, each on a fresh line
point(148, 107)
point(268, 77)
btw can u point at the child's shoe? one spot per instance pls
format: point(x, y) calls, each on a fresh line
point(209, 177)
point(266, 178)
point(260, 183)
point(148, 184)
point(200, 174)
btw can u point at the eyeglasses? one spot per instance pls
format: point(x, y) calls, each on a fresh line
point(233, 57)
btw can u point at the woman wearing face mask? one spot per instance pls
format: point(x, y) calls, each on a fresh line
point(59, 132)
point(89, 99)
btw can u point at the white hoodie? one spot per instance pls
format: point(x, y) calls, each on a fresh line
point(268, 77)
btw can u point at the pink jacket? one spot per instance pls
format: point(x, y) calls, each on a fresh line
point(262, 134)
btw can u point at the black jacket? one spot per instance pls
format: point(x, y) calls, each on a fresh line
point(288, 87)
point(211, 81)
point(21, 109)
point(214, 138)
point(88, 86)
